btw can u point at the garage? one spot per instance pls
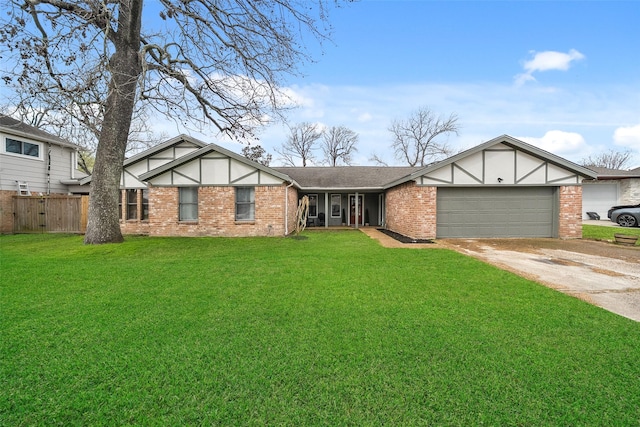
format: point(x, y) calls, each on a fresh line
point(598, 197)
point(496, 212)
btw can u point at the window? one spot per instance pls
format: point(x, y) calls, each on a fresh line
point(23, 148)
point(313, 205)
point(132, 204)
point(145, 204)
point(245, 204)
point(122, 193)
point(335, 205)
point(188, 203)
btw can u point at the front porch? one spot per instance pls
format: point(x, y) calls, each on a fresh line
point(345, 209)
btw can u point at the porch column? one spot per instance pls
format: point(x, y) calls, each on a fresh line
point(356, 213)
point(327, 215)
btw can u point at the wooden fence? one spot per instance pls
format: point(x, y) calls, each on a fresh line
point(50, 214)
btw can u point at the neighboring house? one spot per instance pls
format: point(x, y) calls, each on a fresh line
point(502, 188)
point(46, 163)
point(612, 187)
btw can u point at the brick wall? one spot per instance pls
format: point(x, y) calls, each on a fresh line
point(6, 211)
point(411, 210)
point(570, 215)
point(216, 213)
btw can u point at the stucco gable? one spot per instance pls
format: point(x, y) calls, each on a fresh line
point(213, 165)
point(501, 161)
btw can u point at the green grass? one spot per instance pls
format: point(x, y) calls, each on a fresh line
point(599, 232)
point(331, 330)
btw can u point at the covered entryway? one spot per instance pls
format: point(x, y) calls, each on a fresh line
point(496, 212)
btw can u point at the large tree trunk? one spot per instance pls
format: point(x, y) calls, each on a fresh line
point(103, 220)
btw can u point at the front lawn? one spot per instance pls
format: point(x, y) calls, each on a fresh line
point(600, 232)
point(330, 330)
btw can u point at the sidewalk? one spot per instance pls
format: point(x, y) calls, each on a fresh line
point(601, 222)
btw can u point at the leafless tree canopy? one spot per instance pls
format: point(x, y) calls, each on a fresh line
point(84, 131)
point(203, 61)
point(415, 139)
point(301, 142)
point(257, 153)
point(339, 144)
point(610, 159)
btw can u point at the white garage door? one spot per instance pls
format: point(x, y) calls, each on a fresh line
point(496, 212)
point(598, 198)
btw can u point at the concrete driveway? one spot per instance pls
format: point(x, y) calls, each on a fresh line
point(604, 274)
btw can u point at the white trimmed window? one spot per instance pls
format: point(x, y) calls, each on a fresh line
point(245, 203)
point(22, 148)
point(188, 201)
point(132, 204)
point(313, 205)
point(336, 205)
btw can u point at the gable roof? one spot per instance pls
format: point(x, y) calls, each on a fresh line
point(18, 128)
point(606, 173)
point(506, 140)
point(206, 150)
point(345, 177)
point(163, 146)
point(143, 155)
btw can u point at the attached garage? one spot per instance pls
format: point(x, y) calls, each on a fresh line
point(496, 212)
point(502, 188)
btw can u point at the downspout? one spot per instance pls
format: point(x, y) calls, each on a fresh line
point(48, 169)
point(286, 209)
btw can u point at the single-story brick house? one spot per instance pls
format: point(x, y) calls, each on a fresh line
point(502, 188)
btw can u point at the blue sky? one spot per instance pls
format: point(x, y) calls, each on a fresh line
point(564, 76)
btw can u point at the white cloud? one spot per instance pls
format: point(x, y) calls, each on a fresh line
point(628, 137)
point(547, 61)
point(365, 117)
point(558, 142)
point(572, 124)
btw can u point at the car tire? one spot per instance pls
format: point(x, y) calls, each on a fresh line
point(626, 220)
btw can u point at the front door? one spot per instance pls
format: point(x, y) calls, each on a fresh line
point(352, 209)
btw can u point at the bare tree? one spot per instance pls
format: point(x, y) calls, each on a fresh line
point(257, 154)
point(414, 139)
point(339, 144)
point(82, 130)
point(303, 139)
point(206, 61)
point(610, 159)
point(378, 160)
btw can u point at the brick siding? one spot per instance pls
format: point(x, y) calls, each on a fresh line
point(570, 215)
point(411, 210)
point(216, 212)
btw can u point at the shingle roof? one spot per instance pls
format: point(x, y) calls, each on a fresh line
point(346, 177)
point(615, 173)
point(12, 125)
